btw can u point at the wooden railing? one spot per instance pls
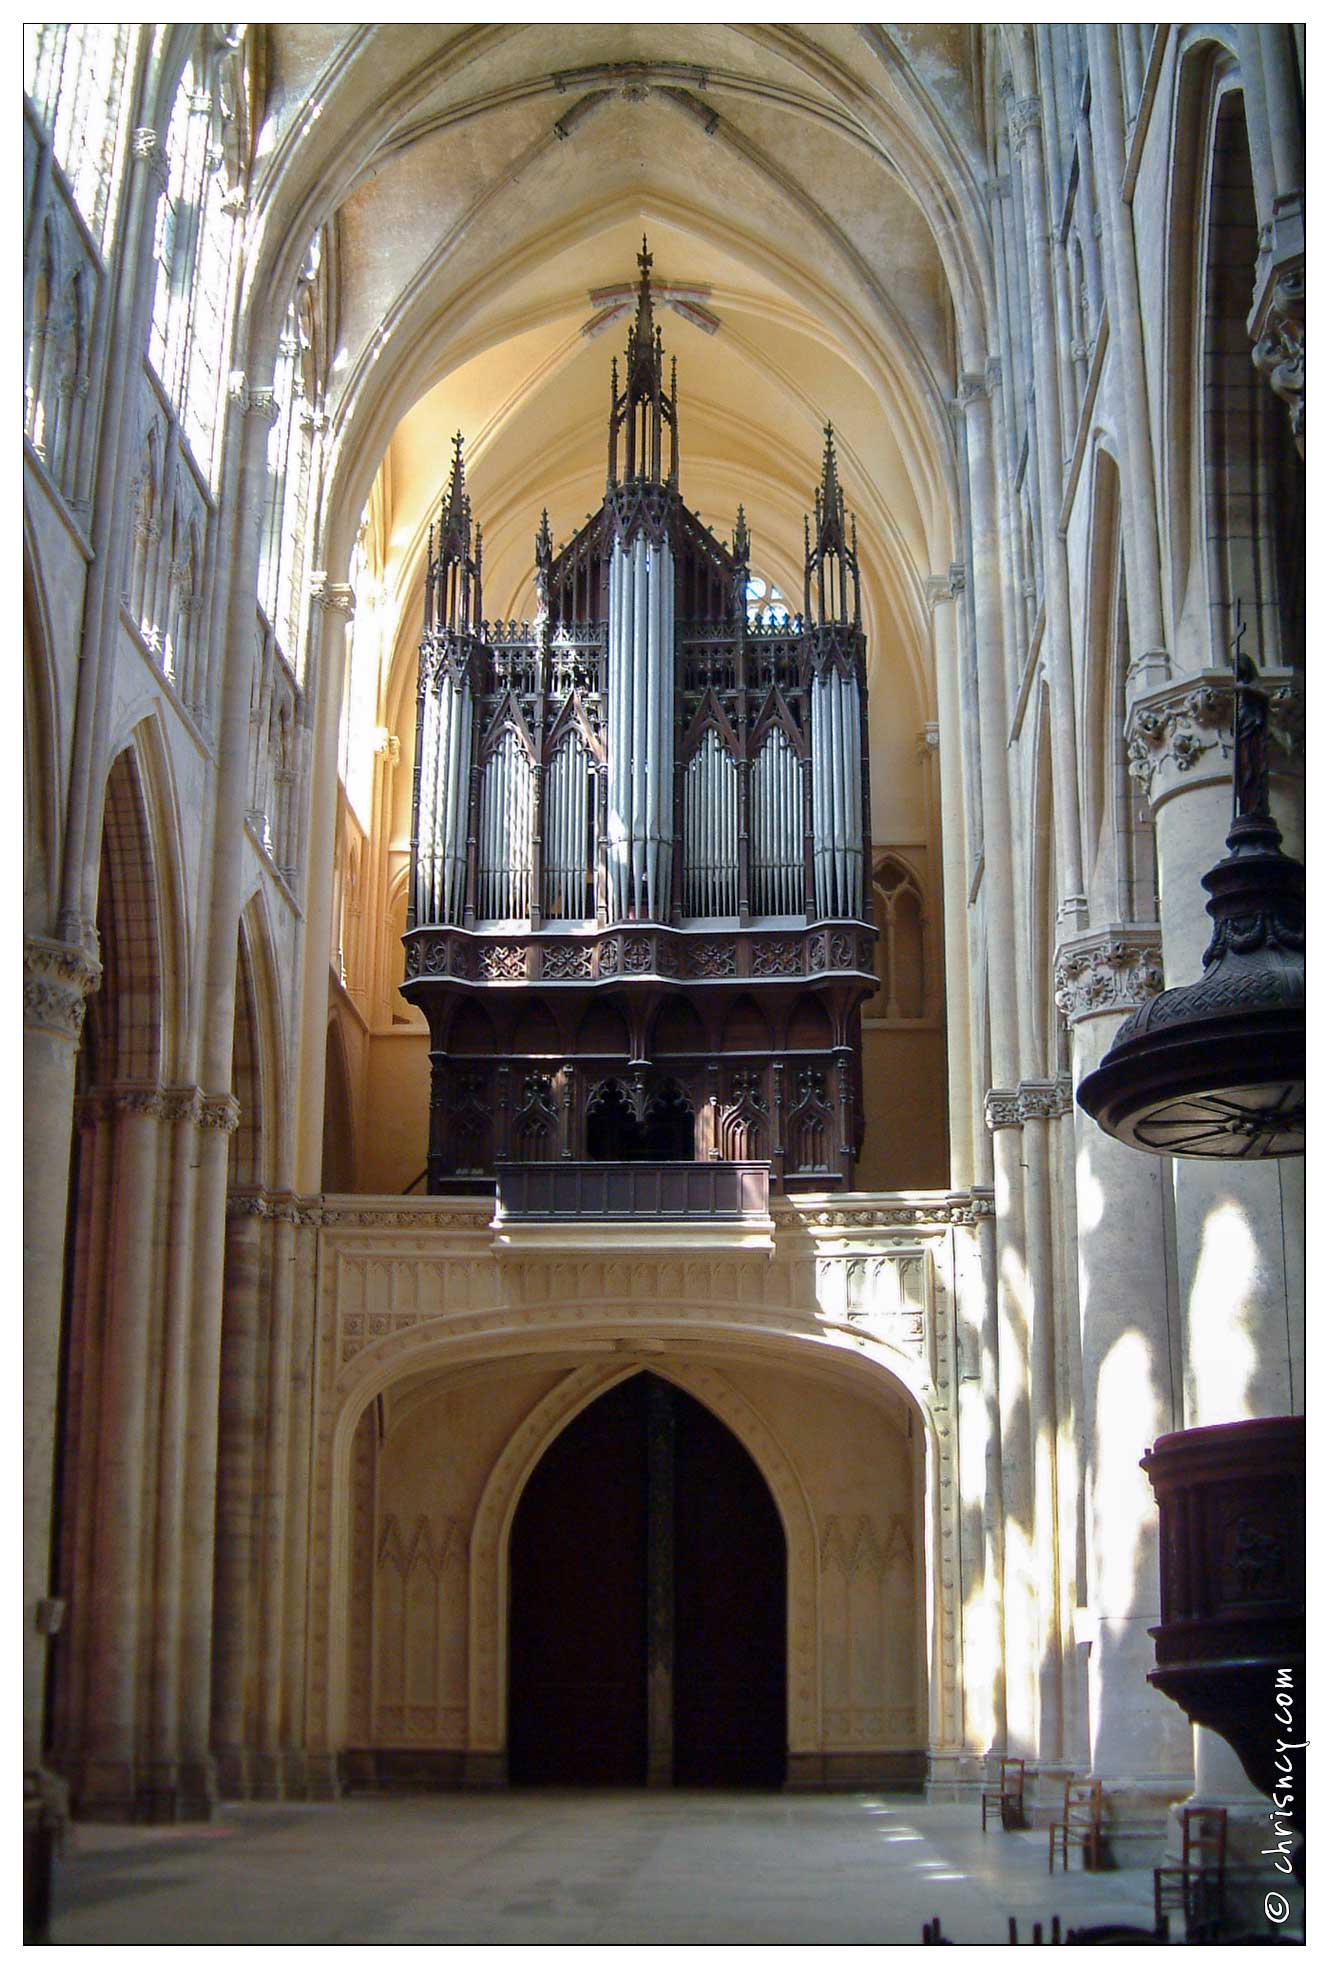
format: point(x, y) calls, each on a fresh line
point(730, 1191)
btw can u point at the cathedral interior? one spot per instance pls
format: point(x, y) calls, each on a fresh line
point(628, 683)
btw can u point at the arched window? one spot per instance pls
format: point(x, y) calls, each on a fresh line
point(194, 240)
point(1253, 478)
point(79, 79)
point(298, 383)
point(898, 908)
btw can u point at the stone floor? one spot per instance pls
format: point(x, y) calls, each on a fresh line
point(577, 1868)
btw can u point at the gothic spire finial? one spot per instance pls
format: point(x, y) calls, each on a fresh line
point(455, 500)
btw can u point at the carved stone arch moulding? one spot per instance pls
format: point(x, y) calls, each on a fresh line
point(507, 1480)
point(352, 1367)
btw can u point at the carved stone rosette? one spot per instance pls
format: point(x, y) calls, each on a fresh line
point(1181, 735)
point(1108, 971)
point(57, 982)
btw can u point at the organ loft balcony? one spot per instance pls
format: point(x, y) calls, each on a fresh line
point(640, 922)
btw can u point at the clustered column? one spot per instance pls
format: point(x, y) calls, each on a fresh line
point(1130, 1364)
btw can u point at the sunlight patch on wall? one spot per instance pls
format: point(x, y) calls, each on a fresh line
point(1128, 1416)
point(1220, 1313)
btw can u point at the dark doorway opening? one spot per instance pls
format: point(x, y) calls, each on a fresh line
point(647, 1603)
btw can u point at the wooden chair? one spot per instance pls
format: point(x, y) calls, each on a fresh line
point(1007, 1800)
point(1112, 1934)
point(1013, 1930)
point(1081, 1822)
point(1197, 1885)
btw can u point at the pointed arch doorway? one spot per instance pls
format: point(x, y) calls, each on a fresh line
point(647, 1603)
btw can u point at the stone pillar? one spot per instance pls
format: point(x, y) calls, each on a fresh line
point(1026, 131)
point(1040, 1103)
point(1139, 524)
point(299, 1501)
point(1011, 1535)
point(1014, 1323)
point(270, 1775)
point(56, 982)
point(237, 1440)
point(1241, 1311)
point(335, 603)
point(1139, 1741)
point(978, 1467)
point(198, 1789)
point(110, 1744)
point(943, 593)
point(159, 1785)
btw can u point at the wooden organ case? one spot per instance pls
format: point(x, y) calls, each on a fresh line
point(640, 923)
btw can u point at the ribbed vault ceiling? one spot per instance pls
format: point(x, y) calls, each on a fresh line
point(487, 181)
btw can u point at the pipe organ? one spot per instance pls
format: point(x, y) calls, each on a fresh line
point(640, 919)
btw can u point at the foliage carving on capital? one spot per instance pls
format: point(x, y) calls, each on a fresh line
point(1185, 730)
point(1025, 114)
point(252, 402)
point(219, 1111)
point(333, 597)
point(1108, 971)
point(1001, 1108)
point(1045, 1100)
point(57, 982)
point(146, 147)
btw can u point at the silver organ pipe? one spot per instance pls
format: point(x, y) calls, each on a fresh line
point(837, 795)
point(777, 833)
point(641, 693)
point(445, 755)
point(710, 824)
point(503, 876)
point(567, 842)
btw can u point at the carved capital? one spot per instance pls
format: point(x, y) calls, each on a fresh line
point(1001, 1108)
point(1280, 345)
point(1044, 1100)
point(1024, 115)
point(57, 982)
point(1108, 972)
point(928, 742)
point(972, 385)
point(334, 597)
point(219, 1111)
point(248, 1203)
point(260, 403)
point(1181, 735)
point(180, 1104)
point(147, 148)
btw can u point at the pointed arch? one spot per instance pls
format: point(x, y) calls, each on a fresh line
point(901, 956)
point(126, 1015)
point(339, 1141)
point(258, 1050)
point(498, 1505)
